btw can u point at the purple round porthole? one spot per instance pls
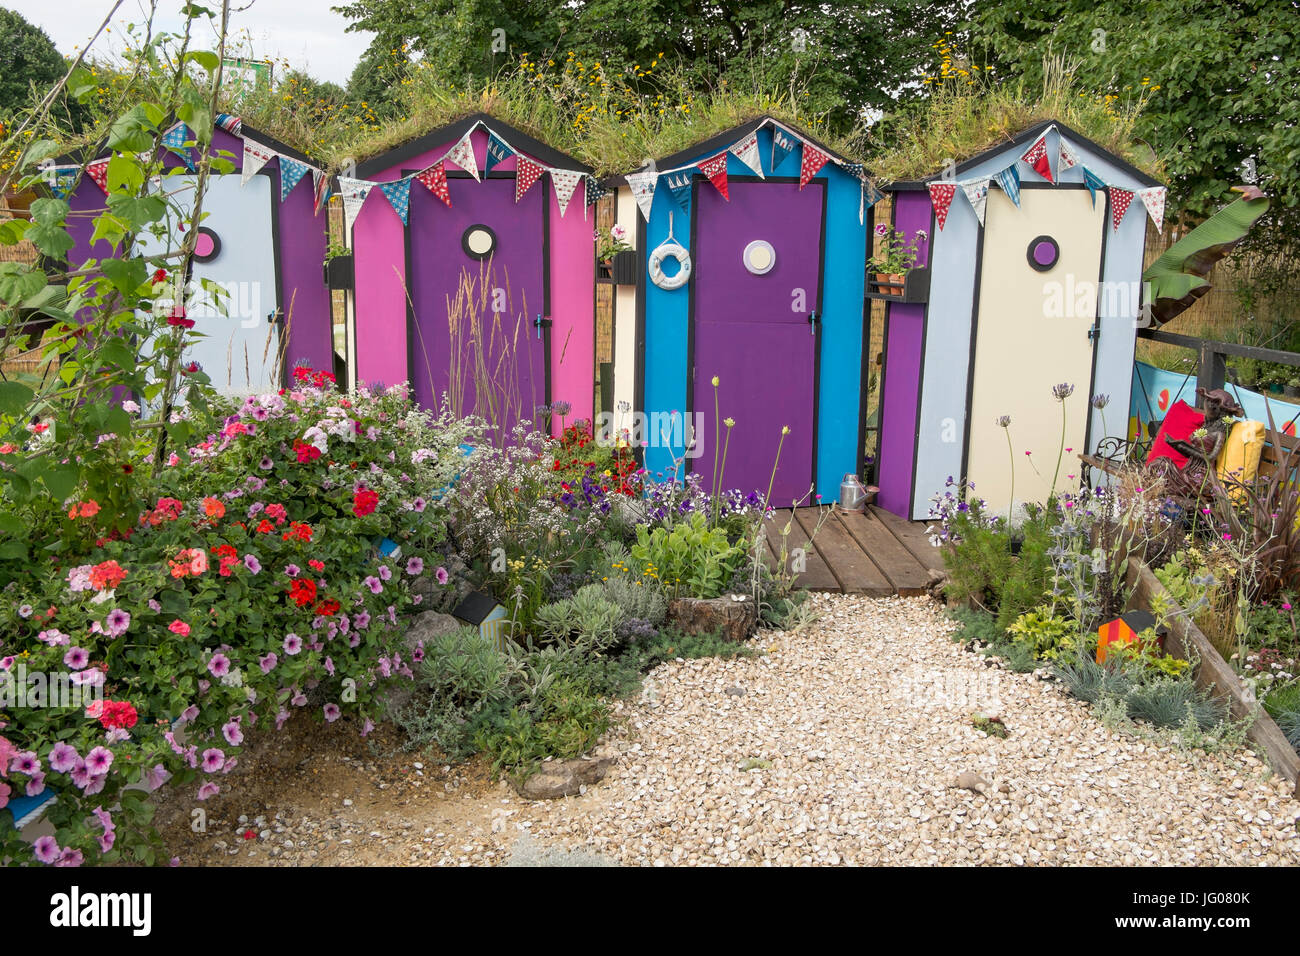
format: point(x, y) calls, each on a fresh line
point(1043, 253)
point(207, 246)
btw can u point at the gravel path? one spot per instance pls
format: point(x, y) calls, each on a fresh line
point(843, 743)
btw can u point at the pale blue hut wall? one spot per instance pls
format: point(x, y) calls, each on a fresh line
point(952, 298)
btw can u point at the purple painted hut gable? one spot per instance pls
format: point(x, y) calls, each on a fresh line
point(482, 300)
point(267, 252)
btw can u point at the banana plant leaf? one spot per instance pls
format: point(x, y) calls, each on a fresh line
point(1178, 278)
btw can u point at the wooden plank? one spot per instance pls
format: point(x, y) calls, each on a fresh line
point(848, 563)
point(911, 535)
point(905, 573)
point(1184, 640)
point(816, 575)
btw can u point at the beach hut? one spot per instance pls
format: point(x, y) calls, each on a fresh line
point(748, 268)
point(1029, 280)
point(473, 273)
point(263, 239)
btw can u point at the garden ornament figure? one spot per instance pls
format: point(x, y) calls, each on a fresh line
point(1202, 447)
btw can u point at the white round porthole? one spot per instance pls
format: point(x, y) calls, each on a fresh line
point(759, 257)
point(478, 241)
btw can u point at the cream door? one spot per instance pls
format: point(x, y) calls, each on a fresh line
point(1040, 266)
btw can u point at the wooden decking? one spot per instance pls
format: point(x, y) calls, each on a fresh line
point(876, 553)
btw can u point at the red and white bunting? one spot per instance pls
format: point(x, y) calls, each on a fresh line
point(98, 171)
point(643, 185)
point(255, 157)
point(1154, 199)
point(1036, 156)
point(435, 180)
point(462, 154)
point(746, 150)
point(941, 196)
point(565, 182)
point(1119, 203)
point(1065, 156)
point(813, 160)
point(354, 193)
point(715, 168)
point(527, 172)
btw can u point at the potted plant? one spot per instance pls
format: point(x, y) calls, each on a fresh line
point(1293, 387)
point(338, 266)
point(609, 243)
point(896, 258)
point(1245, 372)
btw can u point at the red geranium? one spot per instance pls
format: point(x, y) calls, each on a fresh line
point(364, 502)
point(305, 452)
point(118, 713)
point(303, 592)
point(327, 608)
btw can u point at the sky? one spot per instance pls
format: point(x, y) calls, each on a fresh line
point(304, 32)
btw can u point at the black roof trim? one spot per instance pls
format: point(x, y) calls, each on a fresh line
point(88, 154)
point(422, 144)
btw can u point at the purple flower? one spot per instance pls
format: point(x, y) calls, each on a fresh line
point(292, 570)
point(299, 699)
point(155, 606)
point(117, 622)
point(361, 621)
point(209, 789)
point(76, 658)
point(98, 761)
point(292, 644)
point(253, 565)
point(62, 757)
point(419, 504)
point(332, 712)
point(190, 714)
point(233, 733)
point(266, 464)
point(415, 566)
point(36, 785)
point(26, 762)
point(155, 778)
point(213, 759)
point(384, 573)
point(25, 611)
point(1100, 400)
point(1003, 421)
point(374, 584)
point(1062, 392)
point(268, 662)
point(46, 849)
point(219, 666)
point(441, 575)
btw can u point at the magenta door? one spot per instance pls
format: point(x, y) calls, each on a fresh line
point(751, 328)
point(486, 352)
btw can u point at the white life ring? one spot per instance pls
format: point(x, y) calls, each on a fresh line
point(670, 248)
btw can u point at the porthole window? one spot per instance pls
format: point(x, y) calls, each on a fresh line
point(1043, 253)
point(759, 257)
point(206, 246)
point(478, 241)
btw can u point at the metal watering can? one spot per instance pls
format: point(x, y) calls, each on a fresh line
point(853, 494)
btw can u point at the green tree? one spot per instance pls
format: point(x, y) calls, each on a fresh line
point(1221, 77)
point(29, 63)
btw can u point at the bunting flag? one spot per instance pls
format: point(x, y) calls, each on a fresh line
point(1154, 199)
point(354, 193)
point(175, 139)
point(642, 185)
point(747, 152)
point(1065, 156)
point(291, 173)
point(595, 191)
point(462, 154)
point(398, 194)
point(1036, 156)
point(231, 124)
point(1094, 183)
point(813, 160)
point(783, 145)
point(1119, 203)
point(565, 181)
point(320, 187)
point(977, 191)
point(1009, 180)
point(435, 180)
point(715, 168)
point(679, 184)
point(941, 196)
point(98, 171)
point(497, 152)
point(527, 173)
point(255, 157)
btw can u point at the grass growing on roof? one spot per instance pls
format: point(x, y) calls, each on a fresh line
point(970, 112)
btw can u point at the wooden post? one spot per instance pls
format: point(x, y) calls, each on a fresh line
point(1213, 370)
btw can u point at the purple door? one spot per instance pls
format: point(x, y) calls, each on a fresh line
point(476, 276)
point(756, 270)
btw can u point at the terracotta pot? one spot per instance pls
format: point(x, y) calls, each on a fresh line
point(889, 283)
